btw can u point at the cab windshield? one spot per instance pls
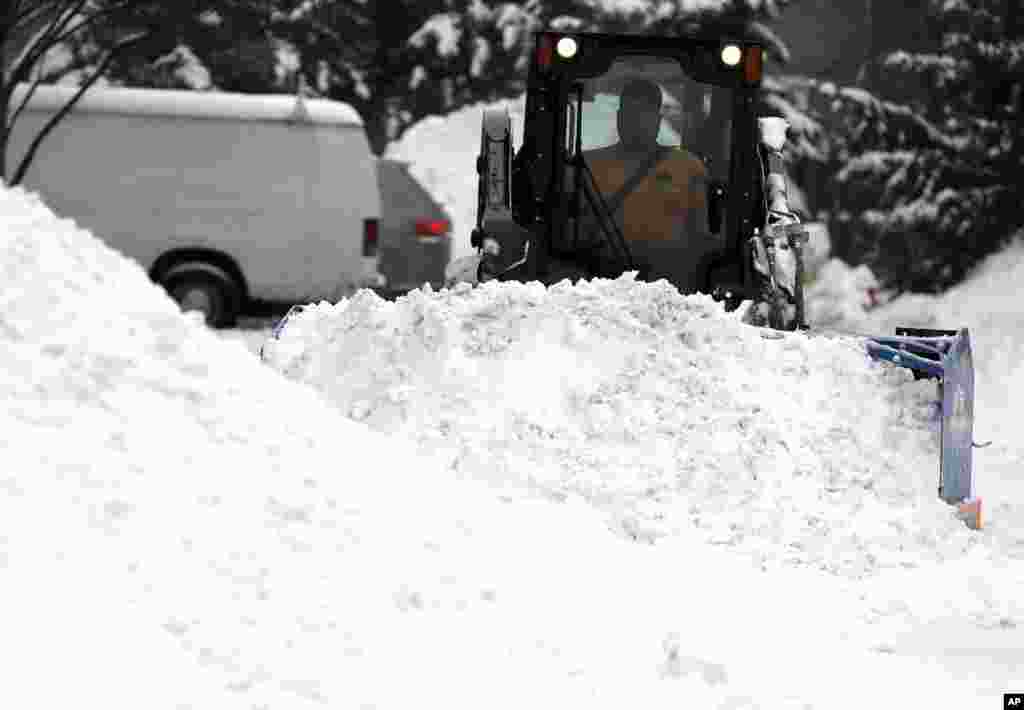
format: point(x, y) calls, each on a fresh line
point(652, 139)
point(692, 115)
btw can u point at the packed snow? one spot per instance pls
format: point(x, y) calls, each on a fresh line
point(660, 409)
point(588, 496)
point(840, 296)
point(664, 413)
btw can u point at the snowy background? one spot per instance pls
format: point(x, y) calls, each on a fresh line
point(504, 497)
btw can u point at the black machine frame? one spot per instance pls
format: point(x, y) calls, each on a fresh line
point(539, 202)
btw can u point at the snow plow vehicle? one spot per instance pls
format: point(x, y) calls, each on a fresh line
point(645, 154)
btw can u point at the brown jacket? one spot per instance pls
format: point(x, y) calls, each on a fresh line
point(664, 220)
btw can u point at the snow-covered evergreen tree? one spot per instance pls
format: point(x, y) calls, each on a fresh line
point(206, 44)
point(475, 50)
point(356, 51)
point(932, 160)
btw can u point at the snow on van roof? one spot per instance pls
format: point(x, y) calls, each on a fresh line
point(192, 104)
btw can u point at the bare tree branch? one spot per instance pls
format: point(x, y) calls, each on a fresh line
point(19, 173)
point(24, 103)
point(112, 9)
point(33, 9)
point(43, 42)
point(58, 27)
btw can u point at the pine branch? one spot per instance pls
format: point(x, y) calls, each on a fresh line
point(92, 17)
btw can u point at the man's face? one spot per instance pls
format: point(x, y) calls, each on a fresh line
point(638, 121)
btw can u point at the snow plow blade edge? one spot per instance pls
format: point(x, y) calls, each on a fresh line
point(944, 355)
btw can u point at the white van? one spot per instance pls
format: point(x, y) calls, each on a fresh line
point(225, 199)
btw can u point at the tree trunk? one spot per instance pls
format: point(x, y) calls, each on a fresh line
point(376, 124)
point(4, 133)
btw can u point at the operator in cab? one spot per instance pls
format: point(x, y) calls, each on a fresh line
point(663, 217)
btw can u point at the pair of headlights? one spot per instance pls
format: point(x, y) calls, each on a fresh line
point(568, 46)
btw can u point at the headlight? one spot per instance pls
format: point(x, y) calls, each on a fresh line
point(566, 47)
point(731, 55)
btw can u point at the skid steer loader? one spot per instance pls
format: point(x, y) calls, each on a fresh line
point(701, 200)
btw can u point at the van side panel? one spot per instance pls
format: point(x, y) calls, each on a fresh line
point(286, 201)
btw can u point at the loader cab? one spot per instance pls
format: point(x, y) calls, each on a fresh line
point(592, 117)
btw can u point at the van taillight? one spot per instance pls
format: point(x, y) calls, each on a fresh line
point(432, 227)
point(370, 229)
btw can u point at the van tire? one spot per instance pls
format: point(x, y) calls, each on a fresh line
point(216, 293)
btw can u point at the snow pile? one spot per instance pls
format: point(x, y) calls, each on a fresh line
point(663, 411)
point(178, 522)
point(182, 527)
point(443, 160)
point(839, 296)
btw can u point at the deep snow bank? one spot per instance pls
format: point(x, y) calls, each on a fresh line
point(661, 410)
point(177, 522)
point(180, 527)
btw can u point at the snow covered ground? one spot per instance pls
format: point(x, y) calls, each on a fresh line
point(600, 496)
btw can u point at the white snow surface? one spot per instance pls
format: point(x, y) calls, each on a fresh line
point(181, 526)
point(662, 411)
point(838, 296)
point(677, 422)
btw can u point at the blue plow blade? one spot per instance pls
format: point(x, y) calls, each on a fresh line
point(944, 355)
point(275, 332)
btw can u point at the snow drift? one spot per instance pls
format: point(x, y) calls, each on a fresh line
point(838, 296)
point(182, 527)
point(177, 524)
point(662, 410)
